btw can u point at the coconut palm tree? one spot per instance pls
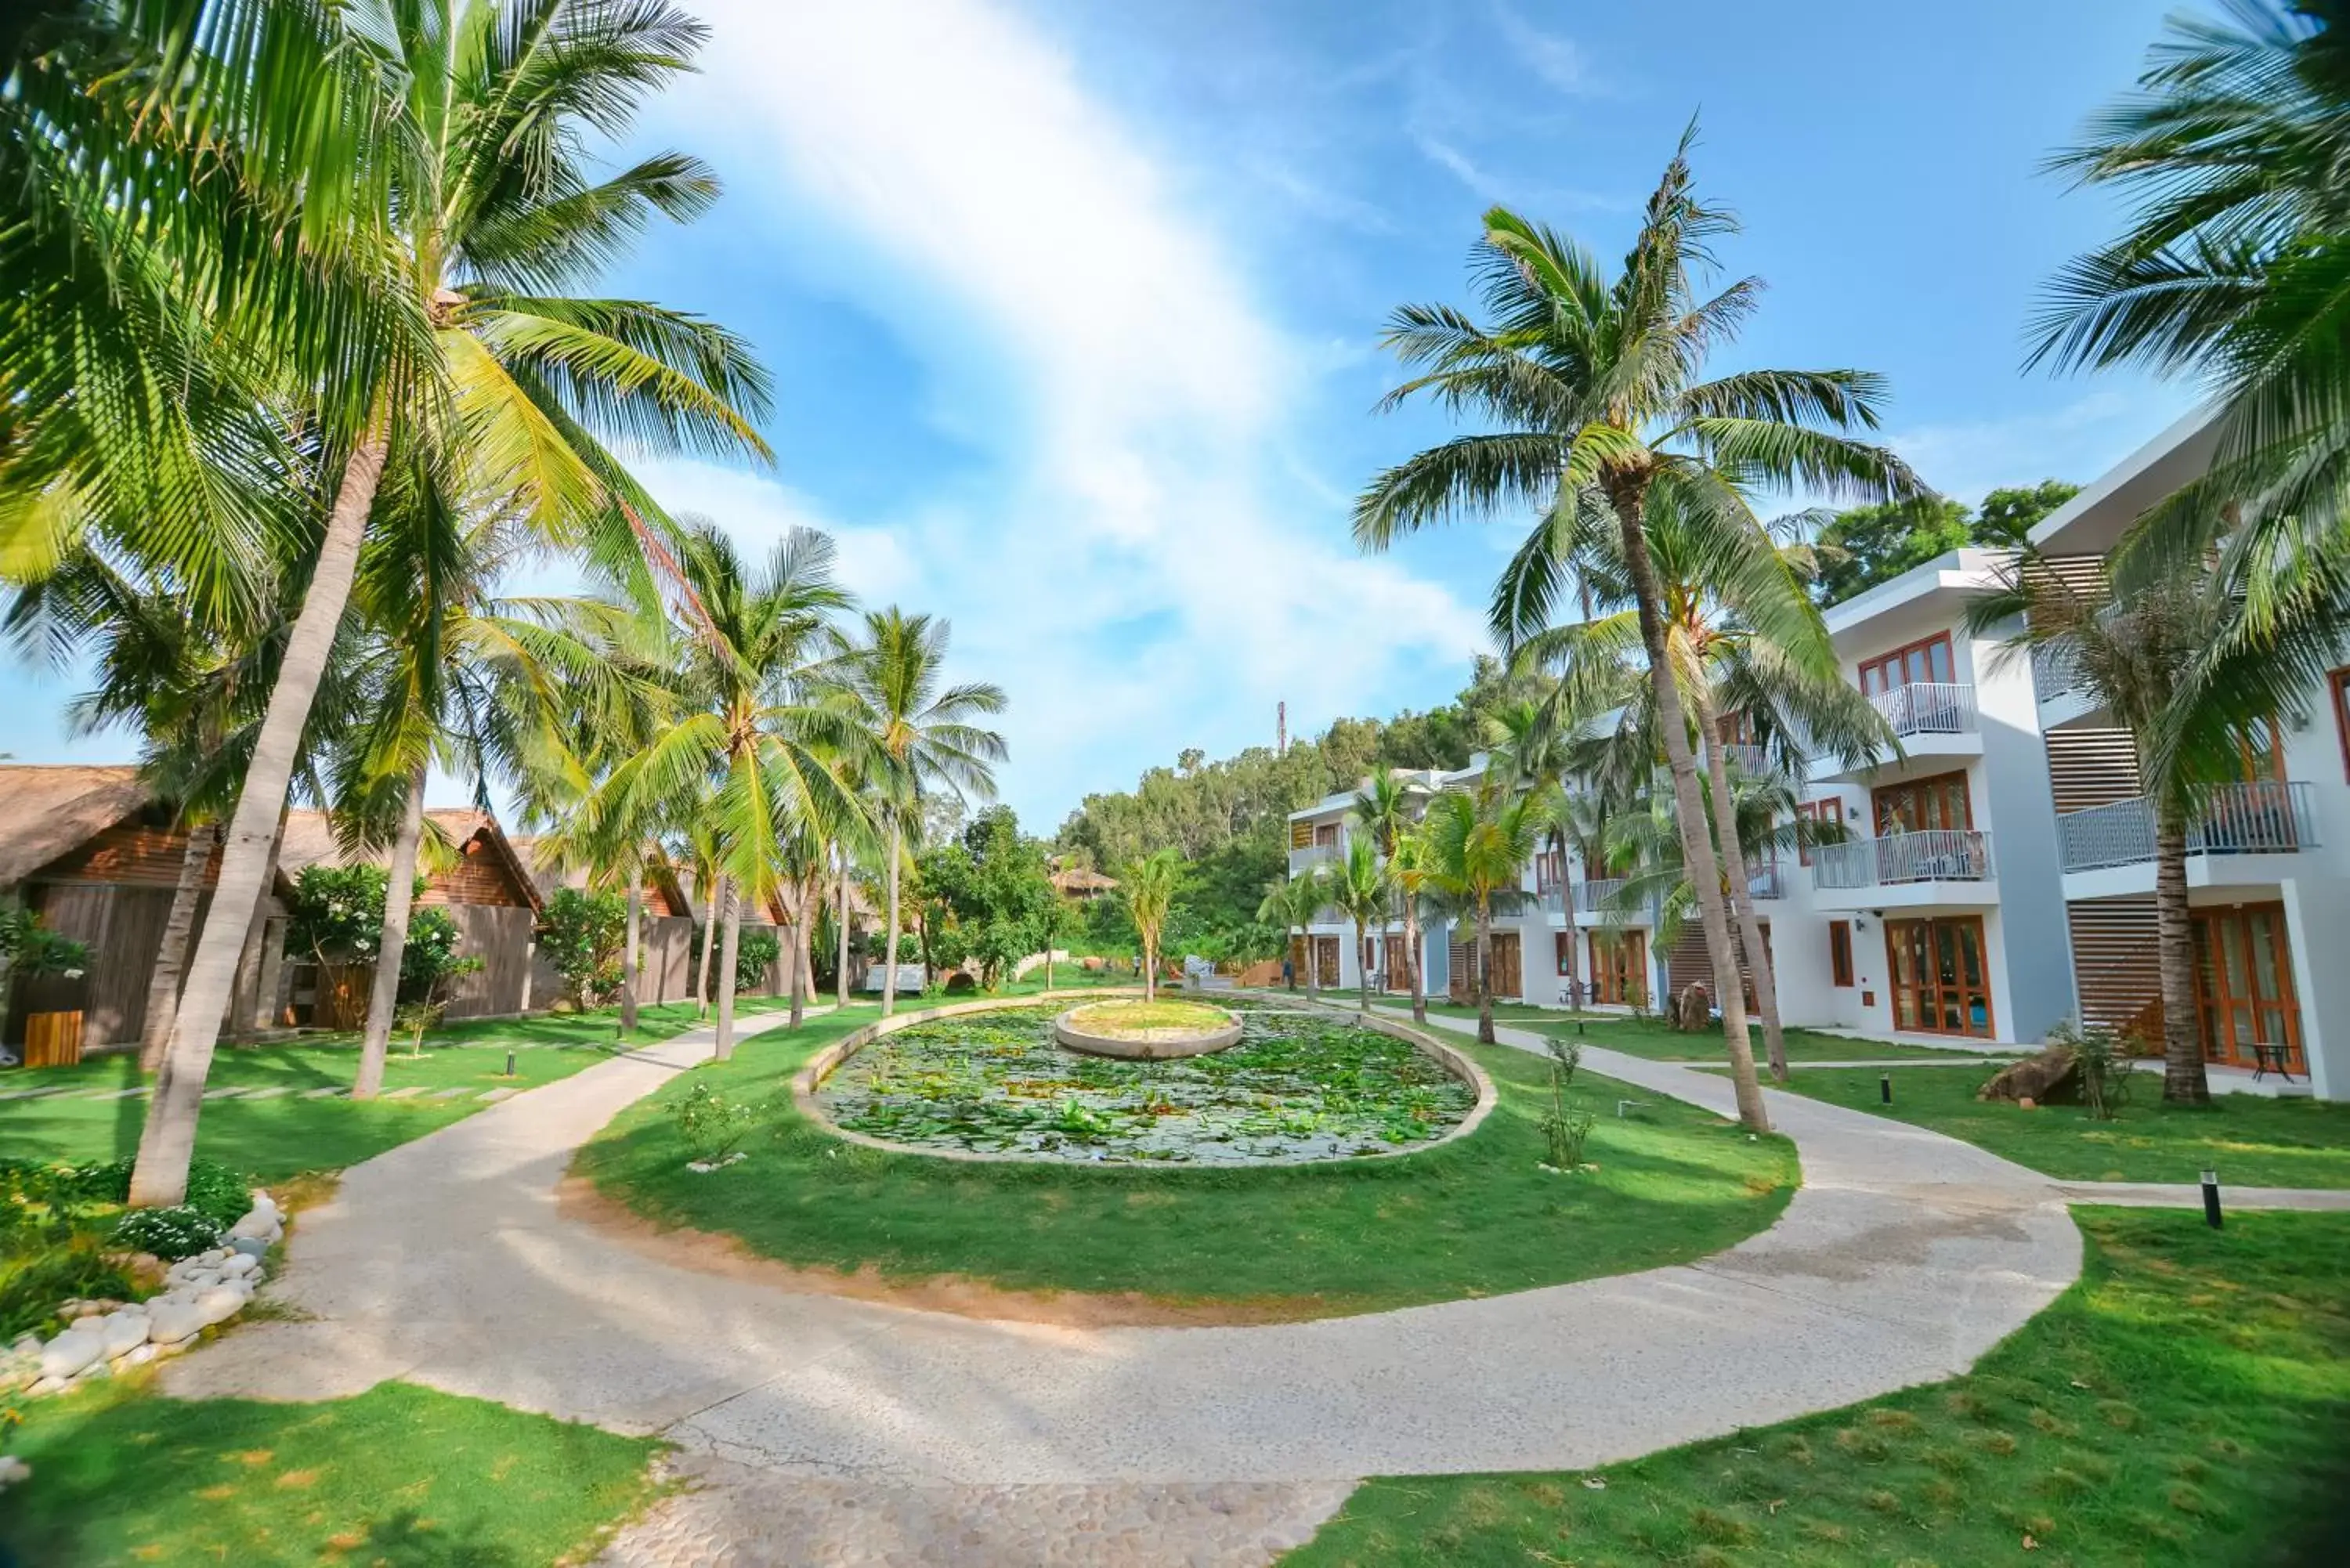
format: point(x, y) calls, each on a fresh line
point(757, 729)
point(1359, 887)
point(493, 215)
point(1476, 842)
point(922, 737)
point(2130, 653)
point(1596, 383)
point(1292, 903)
point(1745, 640)
point(1149, 888)
point(1385, 809)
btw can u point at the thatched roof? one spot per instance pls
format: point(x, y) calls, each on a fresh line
point(1080, 880)
point(46, 812)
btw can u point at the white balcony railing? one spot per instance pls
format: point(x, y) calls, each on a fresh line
point(2053, 674)
point(1304, 860)
point(1928, 708)
point(2262, 819)
point(1592, 897)
point(1764, 882)
point(1936, 854)
point(1552, 899)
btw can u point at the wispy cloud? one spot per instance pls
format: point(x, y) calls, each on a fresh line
point(1558, 60)
point(1016, 233)
point(2077, 442)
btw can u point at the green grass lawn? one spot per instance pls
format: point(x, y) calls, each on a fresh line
point(1652, 1039)
point(2187, 1403)
point(1473, 1217)
point(274, 1138)
point(399, 1476)
point(2250, 1140)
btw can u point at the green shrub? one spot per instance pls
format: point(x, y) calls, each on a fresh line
point(584, 937)
point(169, 1234)
point(215, 1191)
point(711, 1125)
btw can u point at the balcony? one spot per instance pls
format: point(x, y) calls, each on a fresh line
point(2261, 818)
point(1937, 708)
point(1764, 882)
point(1940, 866)
point(1303, 861)
point(1592, 901)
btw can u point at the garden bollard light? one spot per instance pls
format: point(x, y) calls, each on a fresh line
point(1884, 1087)
point(509, 1064)
point(2211, 1198)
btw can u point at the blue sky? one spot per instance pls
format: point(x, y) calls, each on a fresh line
point(1074, 308)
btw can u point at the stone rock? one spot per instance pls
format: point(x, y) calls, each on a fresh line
point(239, 1263)
point(253, 1247)
point(123, 1331)
point(48, 1386)
point(14, 1470)
point(70, 1352)
point(171, 1322)
point(1692, 1013)
point(2043, 1079)
point(262, 1224)
point(221, 1304)
point(139, 1355)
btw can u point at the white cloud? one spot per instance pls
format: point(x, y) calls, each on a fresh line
point(873, 563)
point(2077, 441)
point(1016, 233)
point(1557, 60)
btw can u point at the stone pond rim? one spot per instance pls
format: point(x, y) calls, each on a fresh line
point(1156, 1045)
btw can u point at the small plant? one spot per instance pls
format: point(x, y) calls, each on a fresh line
point(712, 1126)
point(415, 1019)
point(2102, 1060)
point(1564, 1126)
point(169, 1234)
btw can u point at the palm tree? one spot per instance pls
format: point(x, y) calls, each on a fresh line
point(757, 730)
point(1596, 385)
point(1745, 639)
point(922, 736)
point(1536, 756)
point(1407, 868)
point(1385, 808)
point(1358, 885)
point(491, 214)
point(1292, 903)
point(1149, 888)
point(2130, 654)
point(1477, 842)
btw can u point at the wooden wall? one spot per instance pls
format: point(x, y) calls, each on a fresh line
point(479, 877)
point(2114, 967)
point(129, 853)
point(2091, 767)
point(500, 936)
point(124, 927)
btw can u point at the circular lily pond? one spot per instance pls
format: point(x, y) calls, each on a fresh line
point(1300, 1085)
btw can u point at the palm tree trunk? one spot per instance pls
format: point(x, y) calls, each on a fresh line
point(1741, 895)
point(840, 919)
point(398, 893)
point(2183, 1080)
point(1411, 959)
point(1573, 942)
point(1362, 968)
point(733, 944)
point(167, 1141)
point(629, 949)
point(1697, 844)
point(171, 957)
point(714, 901)
point(801, 986)
point(889, 941)
point(1484, 971)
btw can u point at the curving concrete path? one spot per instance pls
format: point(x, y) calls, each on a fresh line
point(1905, 1255)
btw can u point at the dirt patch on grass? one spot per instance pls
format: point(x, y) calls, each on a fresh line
point(708, 1252)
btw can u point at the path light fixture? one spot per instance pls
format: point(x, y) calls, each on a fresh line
point(2211, 1198)
point(1884, 1087)
point(510, 1064)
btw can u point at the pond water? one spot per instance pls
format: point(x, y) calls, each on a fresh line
point(1300, 1085)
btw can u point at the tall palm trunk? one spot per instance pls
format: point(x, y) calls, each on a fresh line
point(1484, 971)
point(1566, 904)
point(629, 949)
point(1149, 966)
point(713, 911)
point(398, 893)
point(804, 903)
point(171, 957)
point(2183, 1080)
point(1362, 968)
point(889, 941)
point(840, 919)
point(1741, 895)
point(733, 943)
point(1411, 959)
point(167, 1141)
point(1697, 844)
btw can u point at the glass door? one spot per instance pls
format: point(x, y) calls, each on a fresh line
point(1942, 980)
point(2243, 985)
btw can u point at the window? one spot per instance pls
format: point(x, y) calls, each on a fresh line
point(1550, 871)
point(1922, 805)
point(1819, 810)
point(1916, 664)
point(1840, 952)
point(2338, 686)
point(1564, 943)
point(1325, 835)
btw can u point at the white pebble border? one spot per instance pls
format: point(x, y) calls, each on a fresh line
point(106, 1337)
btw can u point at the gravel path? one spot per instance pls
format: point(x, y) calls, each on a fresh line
point(821, 1428)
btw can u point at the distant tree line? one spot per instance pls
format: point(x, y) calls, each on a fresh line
point(1864, 546)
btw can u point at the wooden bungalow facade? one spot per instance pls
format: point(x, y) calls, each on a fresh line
point(666, 935)
point(471, 870)
point(92, 851)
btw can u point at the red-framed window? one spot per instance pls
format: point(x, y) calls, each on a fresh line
point(1840, 952)
point(1824, 811)
point(1927, 661)
point(1563, 949)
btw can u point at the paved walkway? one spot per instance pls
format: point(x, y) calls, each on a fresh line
point(835, 1429)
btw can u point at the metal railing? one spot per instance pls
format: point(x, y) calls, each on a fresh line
point(1552, 899)
point(1928, 708)
point(2053, 671)
point(1593, 897)
point(2260, 818)
point(1748, 758)
point(1305, 859)
point(1764, 882)
point(1936, 854)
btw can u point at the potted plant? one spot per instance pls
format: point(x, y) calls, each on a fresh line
point(29, 948)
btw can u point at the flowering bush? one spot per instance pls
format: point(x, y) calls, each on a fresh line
point(582, 935)
point(337, 915)
point(169, 1234)
point(712, 1126)
point(28, 947)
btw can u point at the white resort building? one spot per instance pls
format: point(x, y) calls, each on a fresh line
point(1998, 875)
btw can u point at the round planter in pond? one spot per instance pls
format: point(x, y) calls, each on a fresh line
point(1147, 1030)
